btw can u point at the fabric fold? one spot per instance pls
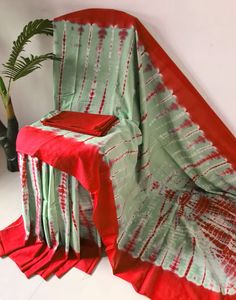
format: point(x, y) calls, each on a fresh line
point(92, 124)
point(34, 257)
point(12, 237)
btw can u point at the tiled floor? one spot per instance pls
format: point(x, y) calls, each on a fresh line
point(101, 285)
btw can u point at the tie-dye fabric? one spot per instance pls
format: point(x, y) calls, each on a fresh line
point(173, 175)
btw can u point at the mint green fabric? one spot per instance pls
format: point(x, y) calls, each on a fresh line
point(175, 194)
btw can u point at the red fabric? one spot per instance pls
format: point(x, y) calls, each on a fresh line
point(28, 256)
point(9, 239)
point(35, 257)
point(92, 124)
point(54, 265)
point(69, 264)
point(86, 264)
point(101, 17)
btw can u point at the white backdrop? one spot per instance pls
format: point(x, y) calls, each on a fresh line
point(200, 36)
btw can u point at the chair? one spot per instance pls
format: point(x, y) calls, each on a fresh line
point(157, 191)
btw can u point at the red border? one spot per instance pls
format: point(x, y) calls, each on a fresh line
point(154, 282)
point(34, 256)
point(201, 113)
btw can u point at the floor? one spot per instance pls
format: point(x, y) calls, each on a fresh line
point(101, 285)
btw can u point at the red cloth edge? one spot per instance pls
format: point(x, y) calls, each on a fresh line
point(187, 95)
point(34, 257)
point(99, 16)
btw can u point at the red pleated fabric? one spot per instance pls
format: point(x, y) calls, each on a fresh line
point(34, 257)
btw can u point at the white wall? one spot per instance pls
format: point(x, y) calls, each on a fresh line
point(200, 36)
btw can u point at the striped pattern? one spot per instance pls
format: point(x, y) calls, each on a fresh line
point(175, 193)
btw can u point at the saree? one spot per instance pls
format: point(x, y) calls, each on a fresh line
point(157, 191)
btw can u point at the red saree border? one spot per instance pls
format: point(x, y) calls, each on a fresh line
point(36, 257)
point(155, 282)
point(147, 279)
point(187, 95)
point(101, 16)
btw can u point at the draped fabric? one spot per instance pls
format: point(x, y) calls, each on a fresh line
point(158, 191)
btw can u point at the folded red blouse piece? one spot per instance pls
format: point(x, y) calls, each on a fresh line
point(92, 124)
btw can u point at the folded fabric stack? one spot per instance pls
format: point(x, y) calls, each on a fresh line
point(92, 124)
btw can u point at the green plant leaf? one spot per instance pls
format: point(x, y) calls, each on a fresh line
point(26, 65)
point(39, 26)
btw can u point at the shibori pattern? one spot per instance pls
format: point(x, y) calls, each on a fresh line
point(64, 221)
point(174, 189)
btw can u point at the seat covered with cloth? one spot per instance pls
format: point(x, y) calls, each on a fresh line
point(157, 189)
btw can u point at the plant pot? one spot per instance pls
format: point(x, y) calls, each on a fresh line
point(8, 142)
point(12, 164)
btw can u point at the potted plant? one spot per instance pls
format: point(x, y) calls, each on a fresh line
point(15, 68)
